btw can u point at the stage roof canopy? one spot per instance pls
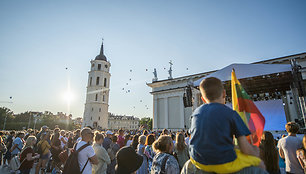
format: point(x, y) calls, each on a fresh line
point(246, 71)
point(256, 78)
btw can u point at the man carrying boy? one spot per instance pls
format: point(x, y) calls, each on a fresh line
point(213, 126)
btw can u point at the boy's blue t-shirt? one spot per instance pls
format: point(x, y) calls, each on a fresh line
point(212, 128)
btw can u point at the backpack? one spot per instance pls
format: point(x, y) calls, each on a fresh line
point(111, 152)
point(72, 164)
point(163, 165)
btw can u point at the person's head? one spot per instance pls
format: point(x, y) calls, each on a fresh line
point(128, 161)
point(98, 137)
point(165, 132)
point(114, 139)
point(62, 132)
point(292, 127)
point(180, 141)
point(173, 137)
point(20, 134)
point(30, 142)
point(267, 139)
point(163, 144)
point(109, 133)
point(150, 139)
point(13, 133)
point(121, 132)
point(212, 90)
point(86, 134)
point(142, 139)
point(44, 128)
point(77, 132)
point(56, 130)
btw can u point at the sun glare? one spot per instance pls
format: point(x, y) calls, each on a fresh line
point(68, 96)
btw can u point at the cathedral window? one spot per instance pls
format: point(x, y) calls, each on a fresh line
point(99, 66)
point(90, 118)
point(99, 118)
point(98, 79)
point(105, 80)
point(92, 65)
point(99, 109)
point(104, 98)
point(90, 81)
point(96, 97)
point(91, 109)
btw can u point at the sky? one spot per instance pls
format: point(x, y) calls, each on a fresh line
point(40, 39)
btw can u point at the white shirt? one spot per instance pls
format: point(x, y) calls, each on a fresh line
point(289, 145)
point(84, 154)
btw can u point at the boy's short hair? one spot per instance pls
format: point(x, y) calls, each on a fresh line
point(292, 127)
point(212, 88)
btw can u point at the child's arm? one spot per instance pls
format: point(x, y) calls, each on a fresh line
point(246, 147)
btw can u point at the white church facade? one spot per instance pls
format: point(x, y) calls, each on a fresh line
point(171, 111)
point(97, 96)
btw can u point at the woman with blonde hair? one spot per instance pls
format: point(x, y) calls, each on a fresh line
point(28, 156)
point(102, 155)
point(43, 148)
point(163, 161)
point(181, 150)
point(140, 150)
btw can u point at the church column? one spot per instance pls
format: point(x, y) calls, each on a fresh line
point(155, 118)
point(182, 113)
point(166, 113)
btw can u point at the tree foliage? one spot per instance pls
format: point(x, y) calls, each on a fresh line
point(146, 122)
point(31, 119)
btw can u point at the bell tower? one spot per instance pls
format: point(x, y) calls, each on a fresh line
point(97, 96)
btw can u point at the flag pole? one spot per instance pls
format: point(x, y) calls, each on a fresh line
point(250, 136)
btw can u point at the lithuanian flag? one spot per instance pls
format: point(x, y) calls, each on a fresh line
point(247, 110)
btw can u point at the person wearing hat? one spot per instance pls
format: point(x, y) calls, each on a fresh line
point(128, 161)
point(107, 140)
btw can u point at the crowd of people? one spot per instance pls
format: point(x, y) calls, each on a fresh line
point(208, 147)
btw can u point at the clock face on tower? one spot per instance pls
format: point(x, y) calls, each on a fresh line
point(106, 66)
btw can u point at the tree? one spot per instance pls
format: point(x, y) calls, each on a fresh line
point(5, 113)
point(146, 122)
